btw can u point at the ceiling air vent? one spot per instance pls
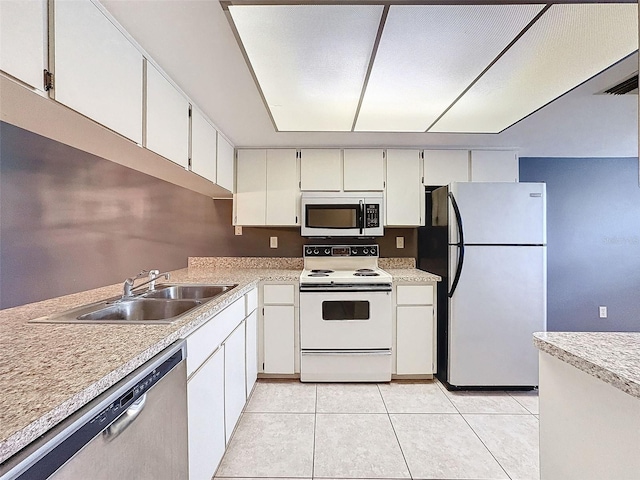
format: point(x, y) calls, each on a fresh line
point(628, 86)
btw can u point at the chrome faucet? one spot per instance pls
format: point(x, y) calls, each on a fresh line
point(152, 275)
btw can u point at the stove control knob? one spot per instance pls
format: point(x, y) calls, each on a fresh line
point(308, 251)
point(354, 251)
point(327, 251)
point(365, 251)
point(315, 252)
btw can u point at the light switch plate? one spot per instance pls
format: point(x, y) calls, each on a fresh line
point(273, 242)
point(603, 311)
point(238, 230)
point(399, 242)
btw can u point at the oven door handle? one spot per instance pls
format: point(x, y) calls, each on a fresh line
point(333, 353)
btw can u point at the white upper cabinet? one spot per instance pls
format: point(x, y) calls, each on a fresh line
point(251, 186)
point(442, 167)
point(224, 174)
point(203, 146)
point(405, 192)
point(283, 191)
point(494, 166)
point(321, 169)
point(364, 170)
point(23, 40)
point(167, 119)
point(98, 72)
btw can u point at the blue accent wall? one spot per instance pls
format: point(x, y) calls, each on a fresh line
point(593, 236)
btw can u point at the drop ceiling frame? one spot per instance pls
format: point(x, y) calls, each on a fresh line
point(387, 4)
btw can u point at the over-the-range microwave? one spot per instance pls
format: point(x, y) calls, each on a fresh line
point(342, 214)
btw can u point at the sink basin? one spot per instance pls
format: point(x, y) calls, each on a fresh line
point(141, 310)
point(164, 305)
point(191, 292)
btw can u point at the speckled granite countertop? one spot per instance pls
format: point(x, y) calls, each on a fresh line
point(612, 357)
point(48, 371)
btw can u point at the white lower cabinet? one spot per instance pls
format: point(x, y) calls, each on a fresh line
point(222, 369)
point(234, 378)
point(279, 348)
point(251, 324)
point(278, 332)
point(206, 417)
point(415, 330)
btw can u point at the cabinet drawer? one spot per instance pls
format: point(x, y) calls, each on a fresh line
point(202, 342)
point(279, 294)
point(251, 301)
point(414, 295)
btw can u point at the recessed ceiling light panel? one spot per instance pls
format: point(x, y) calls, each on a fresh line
point(428, 55)
point(569, 44)
point(310, 60)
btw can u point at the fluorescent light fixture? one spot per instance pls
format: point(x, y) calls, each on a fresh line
point(428, 55)
point(309, 60)
point(568, 45)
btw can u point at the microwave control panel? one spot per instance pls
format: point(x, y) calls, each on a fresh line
point(372, 215)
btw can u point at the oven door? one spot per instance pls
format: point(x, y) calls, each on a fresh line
point(345, 320)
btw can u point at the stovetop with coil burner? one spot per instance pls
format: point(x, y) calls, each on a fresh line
point(333, 265)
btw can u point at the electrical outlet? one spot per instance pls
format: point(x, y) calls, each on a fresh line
point(399, 242)
point(603, 311)
point(238, 230)
point(273, 242)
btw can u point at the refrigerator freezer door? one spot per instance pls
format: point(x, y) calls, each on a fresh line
point(500, 213)
point(498, 304)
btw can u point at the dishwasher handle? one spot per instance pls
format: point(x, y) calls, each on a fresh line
point(121, 423)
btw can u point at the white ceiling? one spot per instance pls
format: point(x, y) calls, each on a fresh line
point(193, 42)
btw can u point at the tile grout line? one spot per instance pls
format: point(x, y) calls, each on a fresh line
point(394, 432)
point(474, 432)
point(485, 446)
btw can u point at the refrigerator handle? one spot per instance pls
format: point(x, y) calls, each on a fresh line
point(460, 245)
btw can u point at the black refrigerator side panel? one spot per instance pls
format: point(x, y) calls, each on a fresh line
point(433, 254)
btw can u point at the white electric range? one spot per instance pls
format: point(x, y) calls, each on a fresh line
point(345, 315)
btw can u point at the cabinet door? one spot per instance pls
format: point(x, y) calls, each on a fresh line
point(283, 189)
point(234, 378)
point(279, 346)
point(414, 340)
point(203, 146)
point(98, 71)
point(494, 166)
point(405, 192)
point(167, 119)
point(251, 186)
point(224, 174)
point(23, 40)
point(320, 169)
point(205, 397)
point(252, 350)
point(364, 170)
point(441, 167)
point(279, 294)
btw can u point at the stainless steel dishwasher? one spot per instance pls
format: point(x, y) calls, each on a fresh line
point(135, 430)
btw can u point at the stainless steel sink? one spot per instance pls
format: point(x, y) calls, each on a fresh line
point(142, 310)
point(164, 305)
point(191, 292)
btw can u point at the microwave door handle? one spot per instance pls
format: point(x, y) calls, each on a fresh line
point(361, 217)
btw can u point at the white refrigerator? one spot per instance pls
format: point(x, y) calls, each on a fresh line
point(496, 281)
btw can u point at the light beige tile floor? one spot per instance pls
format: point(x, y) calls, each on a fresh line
point(291, 430)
